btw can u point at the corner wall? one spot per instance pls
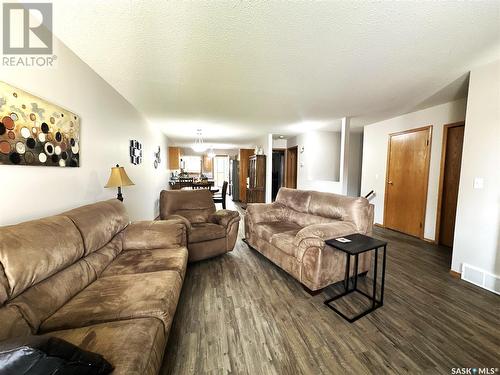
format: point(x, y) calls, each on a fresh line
point(477, 230)
point(375, 143)
point(319, 163)
point(108, 122)
point(355, 164)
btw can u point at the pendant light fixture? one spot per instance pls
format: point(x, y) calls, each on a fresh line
point(198, 145)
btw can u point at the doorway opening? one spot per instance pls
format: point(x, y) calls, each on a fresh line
point(451, 161)
point(278, 172)
point(407, 180)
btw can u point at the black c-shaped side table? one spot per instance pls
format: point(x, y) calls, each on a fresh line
point(359, 244)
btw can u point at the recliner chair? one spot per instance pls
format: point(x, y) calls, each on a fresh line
point(210, 232)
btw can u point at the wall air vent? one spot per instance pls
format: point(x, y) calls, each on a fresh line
point(481, 278)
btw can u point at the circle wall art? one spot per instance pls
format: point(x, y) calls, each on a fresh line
point(36, 132)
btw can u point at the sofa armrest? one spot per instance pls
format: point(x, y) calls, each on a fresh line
point(315, 235)
point(224, 217)
point(143, 235)
point(186, 222)
point(264, 212)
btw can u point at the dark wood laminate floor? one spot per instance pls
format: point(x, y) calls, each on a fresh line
point(241, 314)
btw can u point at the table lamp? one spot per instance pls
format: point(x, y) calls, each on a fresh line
point(118, 178)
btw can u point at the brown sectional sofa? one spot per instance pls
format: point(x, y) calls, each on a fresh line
point(210, 232)
point(291, 232)
point(89, 277)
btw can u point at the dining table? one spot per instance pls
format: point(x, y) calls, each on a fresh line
point(212, 189)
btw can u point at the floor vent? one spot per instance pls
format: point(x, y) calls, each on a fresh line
point(481, 278)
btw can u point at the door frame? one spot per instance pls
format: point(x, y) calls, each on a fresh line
point(429, 128)
point(441, 175)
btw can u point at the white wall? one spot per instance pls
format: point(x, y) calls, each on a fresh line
point(355, 163)
point(232, 152)
point(477, 234)
point(108, 122)
point(375, 154)
point(280, 143)
point(319, 163)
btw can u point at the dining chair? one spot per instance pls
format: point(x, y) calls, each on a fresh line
point(222, 197)
point(185, 182)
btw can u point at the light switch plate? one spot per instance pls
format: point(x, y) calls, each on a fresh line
point(478, 183)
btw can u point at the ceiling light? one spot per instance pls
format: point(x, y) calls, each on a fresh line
point(198, 145)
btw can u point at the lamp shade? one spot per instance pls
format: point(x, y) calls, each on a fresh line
point(118, 178)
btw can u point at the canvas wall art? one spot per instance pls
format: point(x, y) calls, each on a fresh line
point(36, 132)
point(135, 152)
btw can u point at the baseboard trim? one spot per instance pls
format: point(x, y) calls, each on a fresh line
point(455, 274)
point(378, 225)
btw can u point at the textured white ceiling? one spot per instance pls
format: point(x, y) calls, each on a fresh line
point(238, 70)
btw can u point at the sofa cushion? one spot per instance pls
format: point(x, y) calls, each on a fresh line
point(341, 207)
point(205, 232)
point(159, 234)
point(141, 261)
point(4, 286)
point(284, 242)
point(119, 297)
point(12, 323)
point(99, 222)
point(133, 347)
point(45, 298)
point(32, 251)
point(267, 230)
point(194, 205)
point(101, 258)
point(297, 200)
point(303, 219)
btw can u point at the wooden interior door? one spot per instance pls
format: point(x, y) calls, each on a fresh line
point(291, 167)
point(245, 154)
point(453, 139)
point(407, 181)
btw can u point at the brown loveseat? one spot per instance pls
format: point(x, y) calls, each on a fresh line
point(210, 232)
point(89, 277)
point(291, 232)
